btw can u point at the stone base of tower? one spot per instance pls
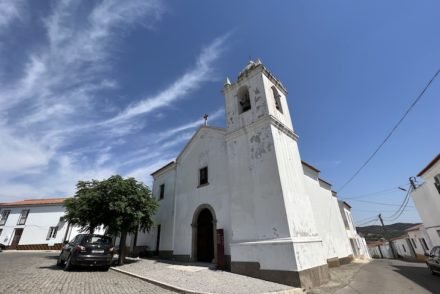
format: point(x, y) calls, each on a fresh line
point(290, 261)
point(306, 279)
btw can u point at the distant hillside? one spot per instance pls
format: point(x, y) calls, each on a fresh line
point(374, 233)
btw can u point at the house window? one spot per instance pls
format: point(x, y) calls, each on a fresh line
point(1, 230)
point(52, 233)
point(277, 99)
point(203, 176)
point(424, 245)
point(244, 100)
point(438, 233)
point(404, 249)
point(162, 191)
point(414, 243)
point(23, 217)
point(437, 182)
point(4, 217)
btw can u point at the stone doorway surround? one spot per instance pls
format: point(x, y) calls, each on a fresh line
point(194, 226)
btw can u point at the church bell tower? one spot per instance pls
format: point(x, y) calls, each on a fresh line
point(274, 235)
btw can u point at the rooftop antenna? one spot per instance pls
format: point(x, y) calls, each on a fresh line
point(205, 117)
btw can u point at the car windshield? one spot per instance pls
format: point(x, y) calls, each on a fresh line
point(97, 240)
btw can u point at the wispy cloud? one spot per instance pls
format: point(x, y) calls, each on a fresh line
point(54, 125)
point(191, 80)
point(10, 10)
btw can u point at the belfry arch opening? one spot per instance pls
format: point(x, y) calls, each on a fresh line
point(244, 101)
point(204, 234)
point(277, 99)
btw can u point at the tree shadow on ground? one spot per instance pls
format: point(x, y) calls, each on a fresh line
point(420, 276)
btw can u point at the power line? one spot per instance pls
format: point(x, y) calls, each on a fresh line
point(402, 206)
point(378, 203)
point(389, 135)
point(376, 193)
point(368, 222)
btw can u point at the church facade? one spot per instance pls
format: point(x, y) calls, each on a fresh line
point(243, 198)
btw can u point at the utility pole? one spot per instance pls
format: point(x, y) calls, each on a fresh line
point(384, 234)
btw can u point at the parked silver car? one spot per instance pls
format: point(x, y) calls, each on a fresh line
point(433, 260)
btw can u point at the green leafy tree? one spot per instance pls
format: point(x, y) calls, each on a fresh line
point(122, 205)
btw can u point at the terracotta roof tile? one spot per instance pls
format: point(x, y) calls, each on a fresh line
point(32, 202)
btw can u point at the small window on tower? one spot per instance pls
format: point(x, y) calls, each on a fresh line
point(277, 99)
point(244, 100)
point(203, 176)
point(437, 182)
point(162, 191)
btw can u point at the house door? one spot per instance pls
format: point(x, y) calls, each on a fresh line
point(16, 239)
point(205, 236)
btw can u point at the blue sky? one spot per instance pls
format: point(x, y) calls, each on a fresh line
point(93, 88)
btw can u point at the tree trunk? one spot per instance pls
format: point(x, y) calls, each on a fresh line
point(122, 242)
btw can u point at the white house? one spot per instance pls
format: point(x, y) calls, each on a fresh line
point(420, 241)
point(33, 224)
point(358, 243)
point(426, 197)
point(242, 197)
point(36, 224)
point(403, 247)
point(380, 249)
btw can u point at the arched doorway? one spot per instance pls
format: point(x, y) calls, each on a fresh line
point(205, 236)
point(204, 229)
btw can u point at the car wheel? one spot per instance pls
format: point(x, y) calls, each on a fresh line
point(60, 260)
point(68, 265)
point(105, 268)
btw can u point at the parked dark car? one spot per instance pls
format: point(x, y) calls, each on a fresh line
point(433, 260)
point(87, 250)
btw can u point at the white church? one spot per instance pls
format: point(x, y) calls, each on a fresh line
point(242, 198)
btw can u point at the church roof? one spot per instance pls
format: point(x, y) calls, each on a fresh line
point(195, 135)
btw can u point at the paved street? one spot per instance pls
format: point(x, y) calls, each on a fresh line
point(25, 272)
point(382, 276)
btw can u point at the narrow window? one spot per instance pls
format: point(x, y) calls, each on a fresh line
point(438, 233)
point(414, 243)
point(1, 230)
point(437, 182)
point(162, 191)
point(203, 176)
point(277, 99)
point(23, 217)
point(4, 217)
point(244, 100)
point(403, 246)
point(424, 245)
point(52, 233)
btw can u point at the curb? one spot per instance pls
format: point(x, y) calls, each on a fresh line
point(186, 291)
point(160, 284)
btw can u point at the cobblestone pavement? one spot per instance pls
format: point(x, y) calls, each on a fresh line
point(36, 272)
point(199, 278)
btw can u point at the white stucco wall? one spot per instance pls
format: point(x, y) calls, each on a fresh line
point(36, 228)
point(328, 218)
point(427, 201)
point(165, 214)
point(207, 149)
point(416, 236)
point(402, 247)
